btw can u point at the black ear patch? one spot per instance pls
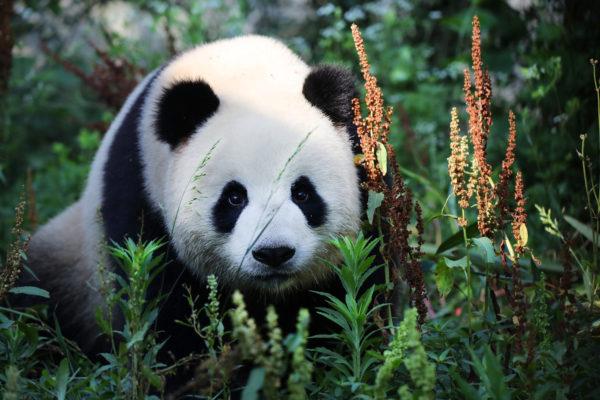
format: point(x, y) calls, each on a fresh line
point(331, 89)
point(182, 108)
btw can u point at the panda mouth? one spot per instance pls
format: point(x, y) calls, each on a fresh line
point(276, 277)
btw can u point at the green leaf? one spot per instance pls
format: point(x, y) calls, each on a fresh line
point(497, 385)
point(31, 291)
point(373, 203)
point(489, 370)
point(381, 154)
point(444, 279)
point(152, 378)
point(468, 392)
point(62, 379)
point(255, 383)
point(460, 263)
point(138, 336)
point(457, 239)
point(486, 247)
point(582, 228)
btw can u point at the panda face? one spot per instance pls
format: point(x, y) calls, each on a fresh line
point(270, 194)
point(251, 166)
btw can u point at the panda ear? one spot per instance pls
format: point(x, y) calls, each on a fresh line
point(331, 89)
point(182, 108)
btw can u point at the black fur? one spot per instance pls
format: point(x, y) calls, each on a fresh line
point(331, 89)
point(225, 214)
point(314, 208)
point(182, 108)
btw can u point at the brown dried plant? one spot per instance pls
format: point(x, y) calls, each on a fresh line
point(373, 130)
point(506, 172)
point(9, 273)
point(478, 102)
point(398, 205)
point(493, 201)
point(519, 215)
point(458, 163)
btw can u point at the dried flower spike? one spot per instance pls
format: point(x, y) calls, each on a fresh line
point(519, 215)
point(478, 104)
point(458, 161)
point(373, 131)
point(374, 128)
point(506, 172)
point(9, 273)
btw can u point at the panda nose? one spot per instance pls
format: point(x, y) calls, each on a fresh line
point(273, 256)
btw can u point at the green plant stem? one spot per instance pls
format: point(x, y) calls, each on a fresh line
point(596, 232)
point(386, 270)
point(597, 88)
point(468, 272)
point(591, 277)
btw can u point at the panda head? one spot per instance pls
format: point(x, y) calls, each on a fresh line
point(248, 156)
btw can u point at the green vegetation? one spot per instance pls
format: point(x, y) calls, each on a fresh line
point(487, 302)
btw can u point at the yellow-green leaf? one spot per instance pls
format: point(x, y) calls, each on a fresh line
point(381, 154)
point(524, 236)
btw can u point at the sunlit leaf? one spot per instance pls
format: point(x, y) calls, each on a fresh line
point(381, 154)
point(524, 235)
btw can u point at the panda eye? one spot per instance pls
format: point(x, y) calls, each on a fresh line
point(236, 199)
point(299, 194)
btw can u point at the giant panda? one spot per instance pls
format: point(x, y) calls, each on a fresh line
point(275, 143)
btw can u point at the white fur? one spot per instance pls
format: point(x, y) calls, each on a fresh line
point(262, 119)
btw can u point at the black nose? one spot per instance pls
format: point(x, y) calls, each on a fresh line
point(273, 256)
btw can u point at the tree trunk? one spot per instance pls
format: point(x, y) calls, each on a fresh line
point(6, 44)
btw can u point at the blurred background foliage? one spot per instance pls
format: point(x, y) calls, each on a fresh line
point(63, 93)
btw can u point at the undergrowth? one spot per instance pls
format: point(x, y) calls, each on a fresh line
point(476, 316)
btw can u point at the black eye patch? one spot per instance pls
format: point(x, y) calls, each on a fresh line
point(305, 196)
point(227, 210)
